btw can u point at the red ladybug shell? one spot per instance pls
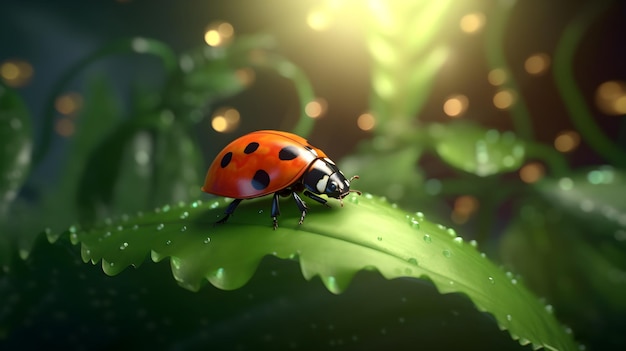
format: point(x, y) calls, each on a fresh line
point(260, 163)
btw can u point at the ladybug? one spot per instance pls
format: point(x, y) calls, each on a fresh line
point(270, 161)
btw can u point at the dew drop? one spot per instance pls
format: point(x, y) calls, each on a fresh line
point(214, 205)
point(413, 261)
point(73, 229)
point(473, 243)
point(368, 196)
point(408, 271)
point(184, 215)
point(120, 228)
point(451, 232)
point(184, 228)
point(419, 215)
point(509, 317)
point(207, 240)
point(354, 199)
point(509, 274)
point(380, 238)
point(160, 226)
point(446, 253)
point(47, 231)
point(135, 227)
point(458, 240)
point(415, 223)
point(260, 211)
point(514, 281)
point(195, 204)
point(427, 238)
point(165, 208)
point(123, 246)
point(219, 274)
point(169, 242)
point(549, 308)
point(491, 280)
point(107, 234)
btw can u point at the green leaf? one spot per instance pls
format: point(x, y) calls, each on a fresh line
point(333, 243)
point(593, 198)
point(15, 146)
point(476, 150)
point(53, 299)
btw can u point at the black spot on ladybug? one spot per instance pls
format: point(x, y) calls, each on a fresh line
point(250, 148)
point(288, 153)
point(260, 180)
point(226, 159)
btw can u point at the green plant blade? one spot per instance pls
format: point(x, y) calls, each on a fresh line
point(334, 243)
point(476, 150)
point(15, 145)
point(593, 197)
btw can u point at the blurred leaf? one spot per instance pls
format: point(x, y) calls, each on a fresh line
point(476, 150)
point(333, 243)
point(53, 301)
point(394, 174)
point(98, 117)
point(15, 146)
point(592, 198)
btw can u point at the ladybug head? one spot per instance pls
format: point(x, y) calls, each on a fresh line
point(323, 177)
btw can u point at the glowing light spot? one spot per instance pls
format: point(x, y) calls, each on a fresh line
point(567, 141)
point(316, 108)
point(455, 105)
point(472, 22)
point(537, 64)
point(225, 120)
point(64, 127)
point(219, 34)
point(317, 20)
point(246, 76)
point(366, 121)
point(497, 76)
point(16, 73)
point(68, 104)
point(504, 99)
point(532, 172)
point(611, 97)
point(464, 207)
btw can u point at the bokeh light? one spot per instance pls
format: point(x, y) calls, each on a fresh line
point(225, 119)
point(497, 77)
point(16, 73)
point(366, 122)
point(464, 207)
point(532, 172)
point(537, 64)
point(456, 105)
point(64, 127)
point(68, 104)
point(318, 20)
point(219, 34)
point(472, 22)
point(567, 141)
point(316, 108)
point(246, 76)
point(504, 99)
point(611, 97)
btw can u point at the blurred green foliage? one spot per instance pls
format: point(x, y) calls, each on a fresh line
point(564, 234)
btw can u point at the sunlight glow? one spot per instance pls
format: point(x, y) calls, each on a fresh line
point(504, 99)
point(68, 104)
point(611, 97)
point(316, 108)
point(219, 34)
point(225, 120)
point(16, 73)
point(497, 76)
point(537, 64)
point(366, 122)
point(318, 20)
point(472, 22)
point(532, 172)
point(464, 207)
point(456, 105)
point(567, 141)
point(64, 127)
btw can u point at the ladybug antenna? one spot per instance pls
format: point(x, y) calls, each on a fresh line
point(349, 191)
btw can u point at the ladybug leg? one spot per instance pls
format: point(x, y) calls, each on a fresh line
point(275, 209)
point(301, 206)
point(317, 198)
point(229, 210)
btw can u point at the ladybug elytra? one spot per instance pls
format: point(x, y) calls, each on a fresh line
point(270, 161)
